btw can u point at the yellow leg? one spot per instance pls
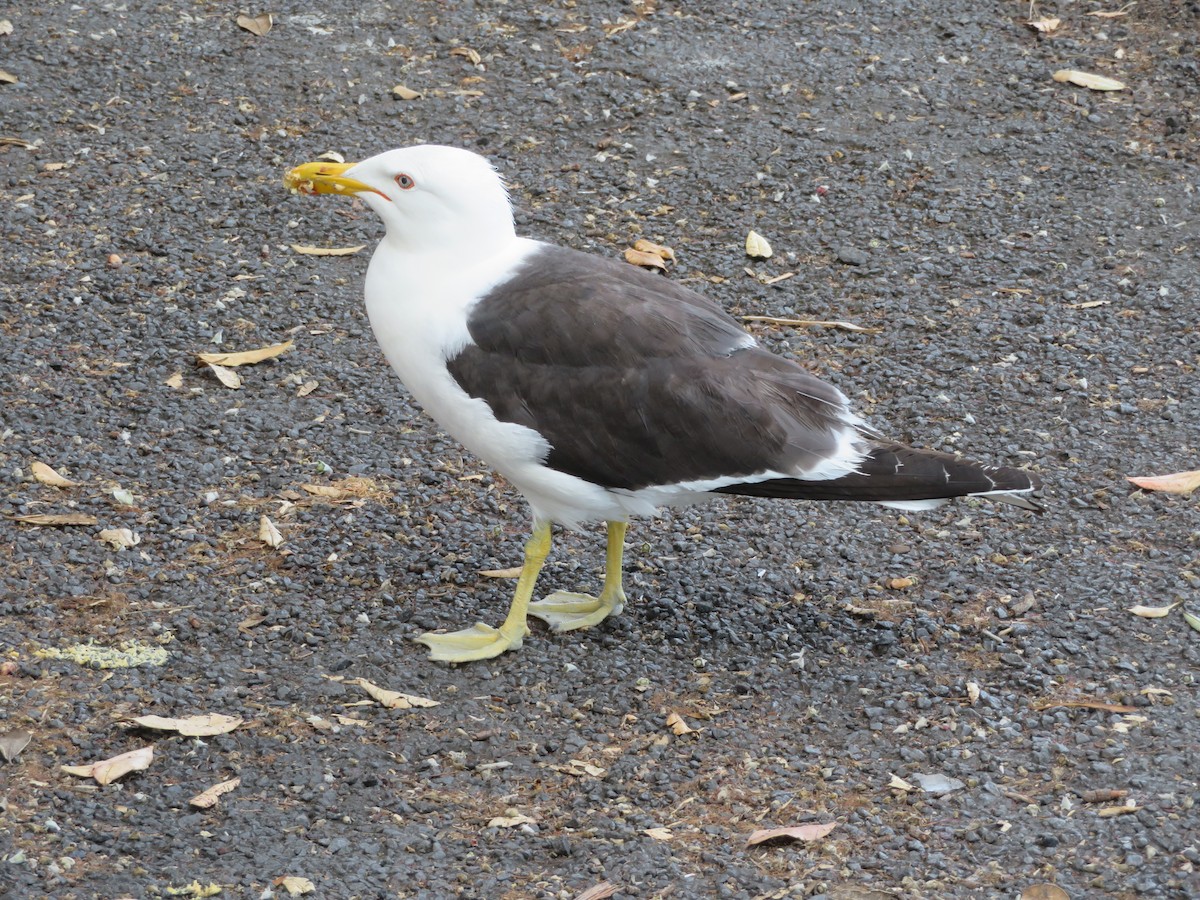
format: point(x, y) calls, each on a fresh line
point(483, 641)
point(564, 611)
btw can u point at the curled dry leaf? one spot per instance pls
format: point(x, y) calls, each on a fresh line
point(1176, 483)
point(1045, 25)
point(227, 377)
point(245, 357)
point(54, 519)
point(309, 250)
point(119, 538)
point(48, 476)
point(1089, 80)
point(12, 743)
point(109, 770)
point(268, 533)
point(208, 798)
point(1152, 612)
point(258, 25)
point(514, 572)
point(644, 258)
point(677, 725)
point(510, 821)
point(467, 53)
point(1109, 811)
point(295, 885)
point(307, 388)
point(405, 93)
point(393, 699)
point(191, 726)
point(811, 832)
point(757, 246)
point(1044, 892)
point(650, 247)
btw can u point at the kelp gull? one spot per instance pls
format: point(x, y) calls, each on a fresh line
point(597, 389)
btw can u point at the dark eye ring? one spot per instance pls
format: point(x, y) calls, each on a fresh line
point(405, 182)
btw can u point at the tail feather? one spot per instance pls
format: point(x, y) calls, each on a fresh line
point(905, 477)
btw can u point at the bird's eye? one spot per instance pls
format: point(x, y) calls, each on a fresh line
point(405, 182)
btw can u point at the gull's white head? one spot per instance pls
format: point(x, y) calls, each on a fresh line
point(431, 198)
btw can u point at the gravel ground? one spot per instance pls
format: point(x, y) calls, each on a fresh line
point(1024, 251)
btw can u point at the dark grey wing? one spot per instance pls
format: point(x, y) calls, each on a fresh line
point(635, 381)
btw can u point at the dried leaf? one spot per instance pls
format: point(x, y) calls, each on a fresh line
point(12, 743)
point(514, 572)
point(58, 519)
point(757, 246)
point(510, 821)
point(268, 533)
point(467, 53)
point(1086, 704)
point(207, 799)
point(227, 377)
point(811, 323)
point(326, 251)
point(119, 538)
point(1044, 892)
point(393, 699)
point(245, 357)
point(642, 258)
point(659, 834)
point(6, 27)
point(124, 496)
point(295, 885)
point(258, 25)
point(1176, 483)
point(812, 832)
point(601, 891)
point(1112, 14)
point(899, 584)
point(937, 783)
point(47, 475)
point(1045, 25)
point(1152, 612)
point(251, 621)
point(658, 249)
point(1089, 80)
point(405, 93)
point(307, 388)
point(677, 725)
point(333, 492)
point(1109, 811)
point(7, 77)
point(191, 726)
point(1103, 795)
point(1192, 619)
point(900, 784)
point(175, 381)
point(109, 770)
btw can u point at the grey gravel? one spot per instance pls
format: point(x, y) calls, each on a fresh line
point(1031, 293)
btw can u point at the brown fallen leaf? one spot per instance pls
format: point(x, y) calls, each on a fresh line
point(757, 246)
point(1175, 483)
point(467, 53)
point(514, 572)
point(1109, 811)
point(650, 247)
point(191, 726)
point(601, 891)
point(109, 770)
point(252, 621)
point(1103, 795)
point(900, 584)
point(258, 25)
point(645, 259)
point(308, 250)
point(12, 743)
point(812, 832)
point(227, 377)
point(54, 519)
point(208, 798)
point(1044, 891)
point(307, 388)
point(245, 357)
point(393, 699)
point(811, 323)
point(1045, 25)
point(677, 725)
point(268, 533)
point(48, 476)
point(1089, 80)
point(405, 93)
point(295, 885)
point(119, 538)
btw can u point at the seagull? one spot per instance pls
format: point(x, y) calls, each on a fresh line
point(597, 389)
